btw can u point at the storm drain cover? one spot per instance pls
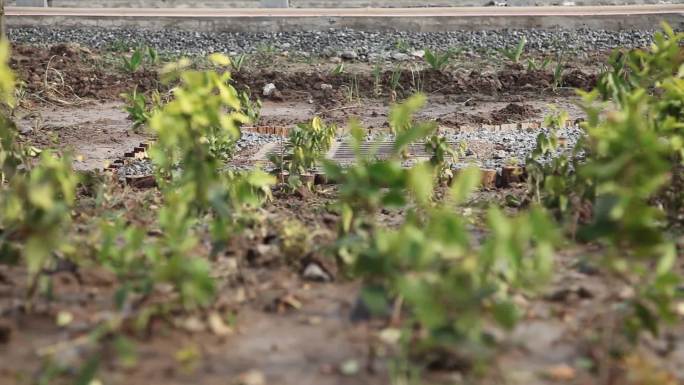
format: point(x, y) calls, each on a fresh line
point(343, 152)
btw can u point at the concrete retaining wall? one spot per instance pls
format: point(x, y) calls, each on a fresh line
point(322, 3)
point(365, 23)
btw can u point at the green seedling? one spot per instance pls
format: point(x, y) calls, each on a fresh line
point(134, 63)
point(338, 70)
point(238, 63)
point(515, 54)
point(437, 61)
point(307, 145)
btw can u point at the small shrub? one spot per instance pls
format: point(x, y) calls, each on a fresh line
point(35, 199)
point(36, 213)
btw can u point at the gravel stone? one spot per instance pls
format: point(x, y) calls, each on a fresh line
point(400, 56)
point(269, 89)
point(336, 42)
point(516, 145)
point(137, 167)
point(349, 55)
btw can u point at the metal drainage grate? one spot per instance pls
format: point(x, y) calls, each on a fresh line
point(343, 152)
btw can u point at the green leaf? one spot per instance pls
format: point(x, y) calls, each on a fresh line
point(136, 60)
point(506, 314)
point(401, 115)
point(421, 182)
point(259, 178)
point(87, 372)
point(466, 183)
point(375, 299)
point(219, 59)
point(411, 135)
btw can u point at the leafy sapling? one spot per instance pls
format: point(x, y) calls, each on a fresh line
point(307, 145)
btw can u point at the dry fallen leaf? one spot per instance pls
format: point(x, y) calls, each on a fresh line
point(217, 326)
point(561, 372)
point(252, 377)
point(288, 301)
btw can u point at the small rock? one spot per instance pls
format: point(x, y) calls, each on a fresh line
point(262, 254)
point(349, 55)
point(501, 154)
point(419, 53)
point(269, 89)
point(350, 367)
point(399, 56)
point(390, 336)
point(314, 272)
point(326, 87)
point(336, 60)
point(193, 325)
point(626, 293)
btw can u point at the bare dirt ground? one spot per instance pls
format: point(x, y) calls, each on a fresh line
point(97, 133)
point(286, 329)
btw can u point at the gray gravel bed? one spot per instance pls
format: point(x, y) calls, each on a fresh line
point(142, 167)
point(515, 146)
point(350, 44)
point(136, 167)
point(253, 139)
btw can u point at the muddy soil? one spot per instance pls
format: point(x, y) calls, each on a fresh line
point(330, 90)
point(64, 73)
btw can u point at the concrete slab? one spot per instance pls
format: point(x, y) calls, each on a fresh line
point(274, 3)
point(325, 3)
point(395, 19)
point(32, 3)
